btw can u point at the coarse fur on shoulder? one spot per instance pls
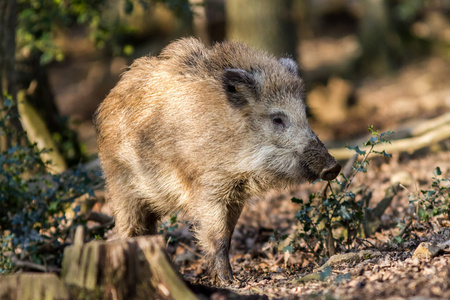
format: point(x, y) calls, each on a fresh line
point(189, 47)
point(191, 56)
point(232, 54)
point(185, 55)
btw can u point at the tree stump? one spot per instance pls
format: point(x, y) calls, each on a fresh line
point(134, 268)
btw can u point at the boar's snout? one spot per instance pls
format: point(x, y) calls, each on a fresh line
point(318, 163)
point(330, 173)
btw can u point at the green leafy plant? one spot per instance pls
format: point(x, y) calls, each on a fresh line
point(171, 225)
point(39, 20)
point(337, 209)
point(435, 201)
point(38, 209)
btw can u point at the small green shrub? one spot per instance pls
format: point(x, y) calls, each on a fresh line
point(38, 210)
point(435, 201)
point(169, 226)
point(336, 210)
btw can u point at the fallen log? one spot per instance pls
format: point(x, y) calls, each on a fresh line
point(423, 127)
point(404, 145)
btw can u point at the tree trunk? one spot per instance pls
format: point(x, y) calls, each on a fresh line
point(215, 19)
point(33, 77)
point(265, 24)
point(378, 39)
point(8, 20)
point(8, 76)
point(199, 21)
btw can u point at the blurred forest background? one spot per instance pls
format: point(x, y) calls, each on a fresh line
point(369, 62)
point(365, 62)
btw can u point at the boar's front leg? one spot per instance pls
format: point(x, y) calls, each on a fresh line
point(217, 222)
point(133, 217)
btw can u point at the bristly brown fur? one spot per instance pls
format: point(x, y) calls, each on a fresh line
point(192, 130)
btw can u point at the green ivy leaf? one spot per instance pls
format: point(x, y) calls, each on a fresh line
point(382, 153)
point(372, 141)
point(424, 215)
point(173, 219)
point(398, 240)
point(7, 102)
point(52, 207)
point(382, 135)
point(296, 200)
point(357, 150)
point(288, 248)
point(437, 171)
point(344, 213)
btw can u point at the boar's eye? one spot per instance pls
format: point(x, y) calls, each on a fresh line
point(280, 120)
point(231, 89)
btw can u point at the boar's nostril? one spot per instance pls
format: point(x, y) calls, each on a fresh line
point(330, 173)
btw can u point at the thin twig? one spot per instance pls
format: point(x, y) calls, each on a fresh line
point(404, 229)
point(357, 170)
point(311, 249)
point(190, 250)
point(99, 217)
point(349, 165)
point(323, 191)
point(33, 266)
point(369, 242)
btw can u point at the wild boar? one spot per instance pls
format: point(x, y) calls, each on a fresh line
point(200, 130)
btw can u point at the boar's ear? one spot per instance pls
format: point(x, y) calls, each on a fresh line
point(238, 83)
point(290, 65)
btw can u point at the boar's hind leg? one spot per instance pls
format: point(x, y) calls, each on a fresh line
point(132, 219)
point(216, 227)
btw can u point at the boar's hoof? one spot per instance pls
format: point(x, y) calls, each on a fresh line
point(221, 273)
point(330, 173)
point(222, 279)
